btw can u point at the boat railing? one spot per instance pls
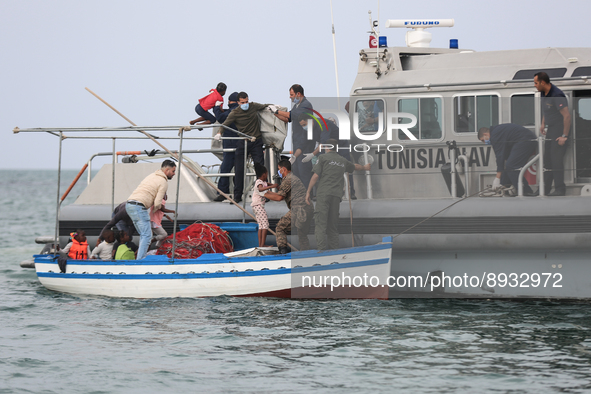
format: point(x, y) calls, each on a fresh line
point(465, 160)
point(141, 156)
point(539, 158)
point(70, 133)
point(431, 86)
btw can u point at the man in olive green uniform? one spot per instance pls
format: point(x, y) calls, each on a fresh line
point(329, 173)
point(292, 190)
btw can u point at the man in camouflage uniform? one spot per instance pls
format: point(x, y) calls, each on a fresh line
point(300, 214)
point(329, 173)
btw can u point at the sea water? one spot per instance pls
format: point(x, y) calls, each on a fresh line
point(58, 343)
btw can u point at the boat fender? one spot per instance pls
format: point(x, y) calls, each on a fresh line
point(586, 190)
point(27, 264)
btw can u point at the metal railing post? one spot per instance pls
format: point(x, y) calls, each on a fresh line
point(522, 172)
point(57, 205)
point(541, 138)
point(178, 184)
point(454, 192)
point(113, 176)
point(464, 158)
point(244, 181)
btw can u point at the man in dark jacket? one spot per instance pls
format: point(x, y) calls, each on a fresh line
point(513, 146)
point(557, 118)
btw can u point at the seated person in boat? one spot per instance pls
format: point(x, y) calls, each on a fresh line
point(124, 248)
point(293, 192)
point(77, 248)
point(121, 220)
point(104, 250)
point(513, 146)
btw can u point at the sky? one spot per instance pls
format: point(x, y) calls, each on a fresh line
point(153, 60)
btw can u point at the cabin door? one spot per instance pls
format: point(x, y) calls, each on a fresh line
point(581, 128)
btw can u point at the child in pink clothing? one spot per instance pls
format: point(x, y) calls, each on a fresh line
point(213, 99)
point(158, 231)
point(258, 201)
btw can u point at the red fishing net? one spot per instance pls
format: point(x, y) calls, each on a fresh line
point(197, 239)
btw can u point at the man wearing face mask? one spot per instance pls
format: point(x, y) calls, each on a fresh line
point(300, 214)
point(228, 157)
point(513, 146)
point(300, 143)
point(246, 119)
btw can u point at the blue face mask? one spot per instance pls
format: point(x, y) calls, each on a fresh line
point(296, 100)
point(244, 106)
point(305, 127)
point(279, 172)
point(487, 142)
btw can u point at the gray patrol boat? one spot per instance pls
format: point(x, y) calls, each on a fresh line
point(453, 237)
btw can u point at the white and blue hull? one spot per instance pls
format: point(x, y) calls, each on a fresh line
point(222, 274)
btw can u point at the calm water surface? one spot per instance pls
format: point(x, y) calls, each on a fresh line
point(56, 343)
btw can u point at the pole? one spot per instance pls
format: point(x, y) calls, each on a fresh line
point(178, 186)
point(541, 138)
point(74, 181)
point(346, 175)
point(334, 48)
point(113, 176)
point(454, 191)
point(244, 181)
point(57, 205)
point(204, 179)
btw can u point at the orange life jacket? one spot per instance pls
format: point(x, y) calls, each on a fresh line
point(78, 251)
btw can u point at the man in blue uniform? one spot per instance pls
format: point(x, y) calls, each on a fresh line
point(557, 118)
point(299, 137)
point(228, 158)
point(513, 146)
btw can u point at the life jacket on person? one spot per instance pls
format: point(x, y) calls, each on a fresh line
point(124, 253)
point(78, 250)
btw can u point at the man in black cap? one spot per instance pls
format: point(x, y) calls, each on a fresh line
point(228, 158)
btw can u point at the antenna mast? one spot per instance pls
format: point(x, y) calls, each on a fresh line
point(334, 47)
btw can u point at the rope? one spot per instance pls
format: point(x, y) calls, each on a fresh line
point(437, 213)
point(501, 191)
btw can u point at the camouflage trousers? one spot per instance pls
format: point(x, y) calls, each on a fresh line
point(301, 217)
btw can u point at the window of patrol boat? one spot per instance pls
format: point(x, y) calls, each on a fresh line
point(370, 115)
point(428, 113)
point(523, 110)
point(475, 111)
